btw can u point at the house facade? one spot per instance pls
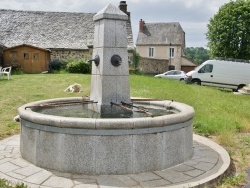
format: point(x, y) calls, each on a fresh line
point(163, 41)
point(65, 35)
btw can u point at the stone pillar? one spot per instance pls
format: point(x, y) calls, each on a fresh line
point(110, 82)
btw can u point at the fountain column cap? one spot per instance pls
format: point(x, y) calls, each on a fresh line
point(110, 12)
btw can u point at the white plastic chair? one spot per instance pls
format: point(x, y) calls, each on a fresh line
point(0, 72)
point(7, 71)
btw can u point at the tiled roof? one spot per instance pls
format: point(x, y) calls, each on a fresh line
point(161, 33)
point(47, 29)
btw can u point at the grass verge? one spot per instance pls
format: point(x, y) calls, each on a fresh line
point(7, 184)
point(219, 114)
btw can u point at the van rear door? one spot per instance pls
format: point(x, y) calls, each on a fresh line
point(205, 74)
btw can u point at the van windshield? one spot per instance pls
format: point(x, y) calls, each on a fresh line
point(197, 68)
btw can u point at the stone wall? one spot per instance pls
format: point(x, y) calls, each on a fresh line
point(153, 66)
point(79, 54)
point(1, 56)
point(162, 52)
point(70, 54)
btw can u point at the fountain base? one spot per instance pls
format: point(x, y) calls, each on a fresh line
point(107, 146)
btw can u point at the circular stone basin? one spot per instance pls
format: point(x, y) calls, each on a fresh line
point(81, 110)
point(97, 146)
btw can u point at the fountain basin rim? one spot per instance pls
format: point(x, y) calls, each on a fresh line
point(185, 113)
point(106, 132)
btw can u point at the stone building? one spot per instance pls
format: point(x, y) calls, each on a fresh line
point(65, 34)
point(162, 41)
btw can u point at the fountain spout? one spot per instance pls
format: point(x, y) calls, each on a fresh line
point(96, 60)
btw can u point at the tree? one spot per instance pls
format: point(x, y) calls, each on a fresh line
point(228, 31)
point(197, 54)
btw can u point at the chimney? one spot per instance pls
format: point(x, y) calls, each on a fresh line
point(141, 25)
point(123, 7)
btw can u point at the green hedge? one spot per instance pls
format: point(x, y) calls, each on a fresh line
point(78, 66)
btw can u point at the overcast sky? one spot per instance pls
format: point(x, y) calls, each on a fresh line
point(193, 15)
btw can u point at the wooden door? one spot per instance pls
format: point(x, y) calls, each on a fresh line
point(36, 62)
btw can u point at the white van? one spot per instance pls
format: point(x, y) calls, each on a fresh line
point(226, 74)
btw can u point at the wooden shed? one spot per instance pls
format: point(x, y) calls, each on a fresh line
point(29, 59)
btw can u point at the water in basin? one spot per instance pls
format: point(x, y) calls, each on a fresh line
point(82, 111)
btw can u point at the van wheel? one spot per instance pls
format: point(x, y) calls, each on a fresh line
point(196, 82)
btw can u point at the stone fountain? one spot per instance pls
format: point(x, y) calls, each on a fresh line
point(104, 145)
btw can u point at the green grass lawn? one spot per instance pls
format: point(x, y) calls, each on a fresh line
point(219, 114)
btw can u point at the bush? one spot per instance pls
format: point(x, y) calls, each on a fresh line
point(136, 59)
point(78, 66)
point(17, 72)
point(56, 65)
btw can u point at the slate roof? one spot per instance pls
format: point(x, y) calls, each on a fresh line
point(161, 33)
point(1, 45)
point(48, 29)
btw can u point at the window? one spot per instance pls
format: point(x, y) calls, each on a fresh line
point(171, 52)
point(177, 72)
point(25, 55)
point(208, 68)
point(151, 52)
point(170, 73)
point(36, 56)
point(13, 54)
point(173, 73)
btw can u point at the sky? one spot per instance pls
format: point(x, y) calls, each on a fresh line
point(193, 15)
